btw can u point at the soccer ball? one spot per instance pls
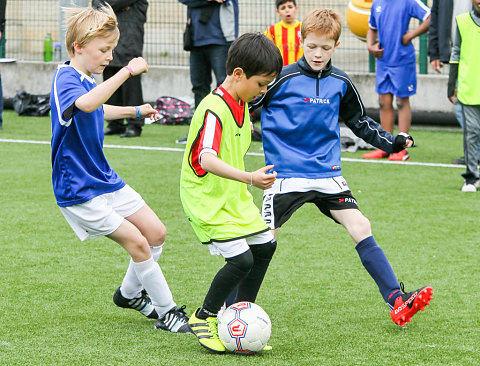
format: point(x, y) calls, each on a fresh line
point(244, 328)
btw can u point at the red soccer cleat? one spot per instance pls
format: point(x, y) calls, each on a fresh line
point(376, 154)
point(407, 305)
point(399, 156)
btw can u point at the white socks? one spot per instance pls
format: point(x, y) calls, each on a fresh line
point(154, 282)
point(131, 285)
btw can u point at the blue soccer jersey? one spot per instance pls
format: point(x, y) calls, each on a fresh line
point(391, 20)
point(300, 115)
point(80, 169)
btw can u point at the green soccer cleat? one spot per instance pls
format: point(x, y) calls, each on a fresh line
point(206, 331)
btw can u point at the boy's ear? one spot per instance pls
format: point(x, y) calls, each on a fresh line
point(238, 73)
point(337, 44)
point(77, 48)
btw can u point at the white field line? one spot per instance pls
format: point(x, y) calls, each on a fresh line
point(153, 148)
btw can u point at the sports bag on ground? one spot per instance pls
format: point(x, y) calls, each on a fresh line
point(173, 111)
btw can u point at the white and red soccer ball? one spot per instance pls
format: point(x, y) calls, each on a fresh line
point(244, 328)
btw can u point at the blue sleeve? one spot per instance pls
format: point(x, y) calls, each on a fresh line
point(419, 10)
point(67, 89)
point(372, 22)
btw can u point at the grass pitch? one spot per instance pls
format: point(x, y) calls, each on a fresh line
point(56, 293)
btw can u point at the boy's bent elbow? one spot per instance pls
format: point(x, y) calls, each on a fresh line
point(206, 160)
point(86, 106)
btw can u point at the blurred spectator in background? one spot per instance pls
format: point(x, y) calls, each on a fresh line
point(214, 26)
point(3, 5)
point(440, 38)
point(286, 33)
point(464, 88)
point(390, 41)
point(131, 16)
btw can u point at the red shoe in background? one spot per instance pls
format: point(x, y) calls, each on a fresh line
point(399, 156)
point(376, 154)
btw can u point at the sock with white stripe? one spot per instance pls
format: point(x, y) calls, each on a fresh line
point(152, 279)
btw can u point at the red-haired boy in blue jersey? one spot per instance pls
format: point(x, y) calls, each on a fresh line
point(301, 138)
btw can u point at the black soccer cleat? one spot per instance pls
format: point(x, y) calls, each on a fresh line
point(143, 303)
point(175, 321)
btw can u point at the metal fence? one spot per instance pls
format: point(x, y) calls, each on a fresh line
point(28, 21)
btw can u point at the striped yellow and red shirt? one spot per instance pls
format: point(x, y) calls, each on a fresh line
point(287, 38)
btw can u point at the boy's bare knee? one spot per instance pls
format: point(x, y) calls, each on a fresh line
point(365, 227)
point(161, 236)
point(139, 249)
point(402, 103)
point(384, 105)
point(158, 236)
point(361, 229)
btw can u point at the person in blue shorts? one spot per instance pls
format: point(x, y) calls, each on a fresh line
point(301, 138)
point(93, 198)
point(390, 41)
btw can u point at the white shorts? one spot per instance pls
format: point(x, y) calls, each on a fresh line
point(332, 185)
point(229, 249)
point(103, 214)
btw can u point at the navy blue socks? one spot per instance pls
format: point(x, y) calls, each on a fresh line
point(377, 265)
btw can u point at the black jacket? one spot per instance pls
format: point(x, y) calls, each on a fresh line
point(440, 31)
point(3, 5)
point(131, 16)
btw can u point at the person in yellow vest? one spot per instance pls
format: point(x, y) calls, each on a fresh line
point(214, 184)
point(286, 33)
point(464, 68)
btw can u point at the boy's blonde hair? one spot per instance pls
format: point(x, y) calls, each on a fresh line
point(86, 24)
point(325, 21)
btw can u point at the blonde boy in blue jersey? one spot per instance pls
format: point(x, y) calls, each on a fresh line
point(213, 185)
point(93, 198)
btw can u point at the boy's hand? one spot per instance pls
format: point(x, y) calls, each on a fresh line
point(375, 50)
point(261, 179)
point(437, 65)
point(146, 110)
point(402, 141)
point(453, 98)
point(138, 65)
point(407, 38)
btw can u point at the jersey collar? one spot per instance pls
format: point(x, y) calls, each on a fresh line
point(307, 70)
point(237, 109)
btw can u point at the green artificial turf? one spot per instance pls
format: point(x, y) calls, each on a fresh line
point(56, 292)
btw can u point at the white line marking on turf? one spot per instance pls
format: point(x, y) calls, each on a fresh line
point(154, 148)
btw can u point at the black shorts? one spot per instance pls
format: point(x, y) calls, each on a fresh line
point(277, 208)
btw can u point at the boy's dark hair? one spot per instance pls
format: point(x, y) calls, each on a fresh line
point(281, 2)
point(255, 54)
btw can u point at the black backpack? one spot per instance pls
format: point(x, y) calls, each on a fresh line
point(173, 111)
point(26, 104)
